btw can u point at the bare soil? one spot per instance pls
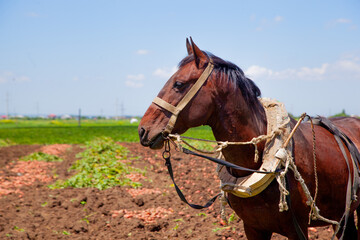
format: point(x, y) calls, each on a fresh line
point(30, 210)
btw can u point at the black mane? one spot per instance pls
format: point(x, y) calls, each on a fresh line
point(234, 75)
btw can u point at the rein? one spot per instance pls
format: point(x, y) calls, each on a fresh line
point(167, 157)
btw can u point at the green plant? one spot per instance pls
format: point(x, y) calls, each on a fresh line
point(7, 121)
point(232, 218)
point(6, 142)
point(56, 122)
point(40, 156)
point(341, 114)
point(176, 227)
point(19, 229)
point(220, 228)
point(85, 219)
point(201, 214)
point(66, 232)
point(99, 167)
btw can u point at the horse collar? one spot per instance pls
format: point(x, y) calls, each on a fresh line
point(251, 185)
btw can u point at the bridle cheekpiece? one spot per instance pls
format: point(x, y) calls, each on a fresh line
point(175, 110)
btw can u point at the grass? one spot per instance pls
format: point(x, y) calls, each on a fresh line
point(99, 167)
point(70, 135)
point(21, 123)
point(66, 131)
point(6, 142)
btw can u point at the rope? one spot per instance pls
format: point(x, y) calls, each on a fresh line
point(288, 163)
point(315, 210)
point(311, 214)
point(280, 178)
point(223, 144)
point(223, 203)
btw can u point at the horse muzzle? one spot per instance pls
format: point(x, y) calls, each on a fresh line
point(155, 142)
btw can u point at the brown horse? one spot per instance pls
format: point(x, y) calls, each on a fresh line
point(228, 103)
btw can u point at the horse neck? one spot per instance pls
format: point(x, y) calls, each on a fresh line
point(235, 121)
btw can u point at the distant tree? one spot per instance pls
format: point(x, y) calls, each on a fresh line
point(293, 116)
point(342, 114)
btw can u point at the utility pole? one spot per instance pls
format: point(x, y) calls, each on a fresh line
point(7, 104)
point(37, 109)
point(79, 118)
point(122, 110)
point(117, 109)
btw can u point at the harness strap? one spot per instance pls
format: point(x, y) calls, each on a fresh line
point(349, 189)
point(225, 163)
point(353, 183)
point(181, 195)
point(298, 229)
point(185, 100)
point(327, 124)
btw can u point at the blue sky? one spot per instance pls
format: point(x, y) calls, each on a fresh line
point(59, 56)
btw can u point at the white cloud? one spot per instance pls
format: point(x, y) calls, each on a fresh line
point(142, 52)
point(137, 77)
point(265, 23)
point(343, 20)
point(258, 71)
point(33, 14)
point(165, 72)
point(278, 19)
point(339, 70)
point(252, 17)
point(135, 81)
point(134, 84)
point(9, 76)
point(22, 79)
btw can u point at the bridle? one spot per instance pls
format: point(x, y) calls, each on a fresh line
point(175, 110)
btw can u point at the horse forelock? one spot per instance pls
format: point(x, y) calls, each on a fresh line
point(233, 75)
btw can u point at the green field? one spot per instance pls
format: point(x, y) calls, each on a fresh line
point(68, 131)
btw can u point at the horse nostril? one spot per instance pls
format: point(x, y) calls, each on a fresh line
point(141, 132)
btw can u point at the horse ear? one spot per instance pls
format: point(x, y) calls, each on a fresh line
point(200, 58)
point(188, 47)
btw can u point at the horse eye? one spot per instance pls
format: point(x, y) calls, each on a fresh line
point(178, 85)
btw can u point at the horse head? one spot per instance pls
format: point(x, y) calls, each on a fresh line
point(195, 110)
point(205, 90)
